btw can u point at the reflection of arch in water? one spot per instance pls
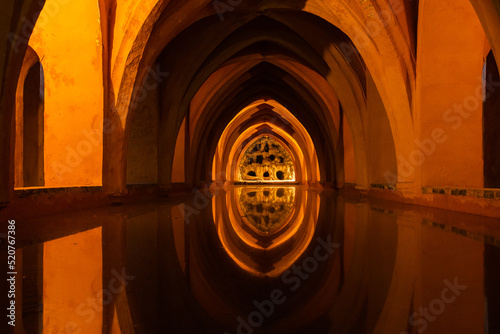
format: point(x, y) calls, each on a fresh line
point(260, 254)
point(266, 209)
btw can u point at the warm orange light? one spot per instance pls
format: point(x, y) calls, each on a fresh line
point(301, 147)
point(265, 160)
point(67, 38)
point(72, 283)
point(237, 239)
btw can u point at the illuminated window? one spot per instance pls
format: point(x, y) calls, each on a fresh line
point(265, 160)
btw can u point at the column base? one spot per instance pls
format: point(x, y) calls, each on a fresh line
point(406, 187)
point(118, 198)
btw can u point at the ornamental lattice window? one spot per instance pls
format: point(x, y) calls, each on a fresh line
point(265, 160)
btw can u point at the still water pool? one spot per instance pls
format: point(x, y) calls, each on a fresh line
point(259, 260)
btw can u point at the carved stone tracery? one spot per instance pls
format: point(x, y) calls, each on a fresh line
point(265, 160)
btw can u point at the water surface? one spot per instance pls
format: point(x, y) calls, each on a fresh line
point(259, 260)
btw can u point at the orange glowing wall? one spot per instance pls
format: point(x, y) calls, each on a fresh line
point(142, 154)
point(178, 170)
point(67, 38)
point(381, 151)
point(349, 164)
point(449, 94)
point(72, 282)
point(128, 20)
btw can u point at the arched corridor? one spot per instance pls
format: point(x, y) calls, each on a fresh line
point(269, 124)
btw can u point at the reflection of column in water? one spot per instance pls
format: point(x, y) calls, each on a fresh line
point(492, 287)
point(31, 290)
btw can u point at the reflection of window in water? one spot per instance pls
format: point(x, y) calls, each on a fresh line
point(266, 209)
point(265, 160)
